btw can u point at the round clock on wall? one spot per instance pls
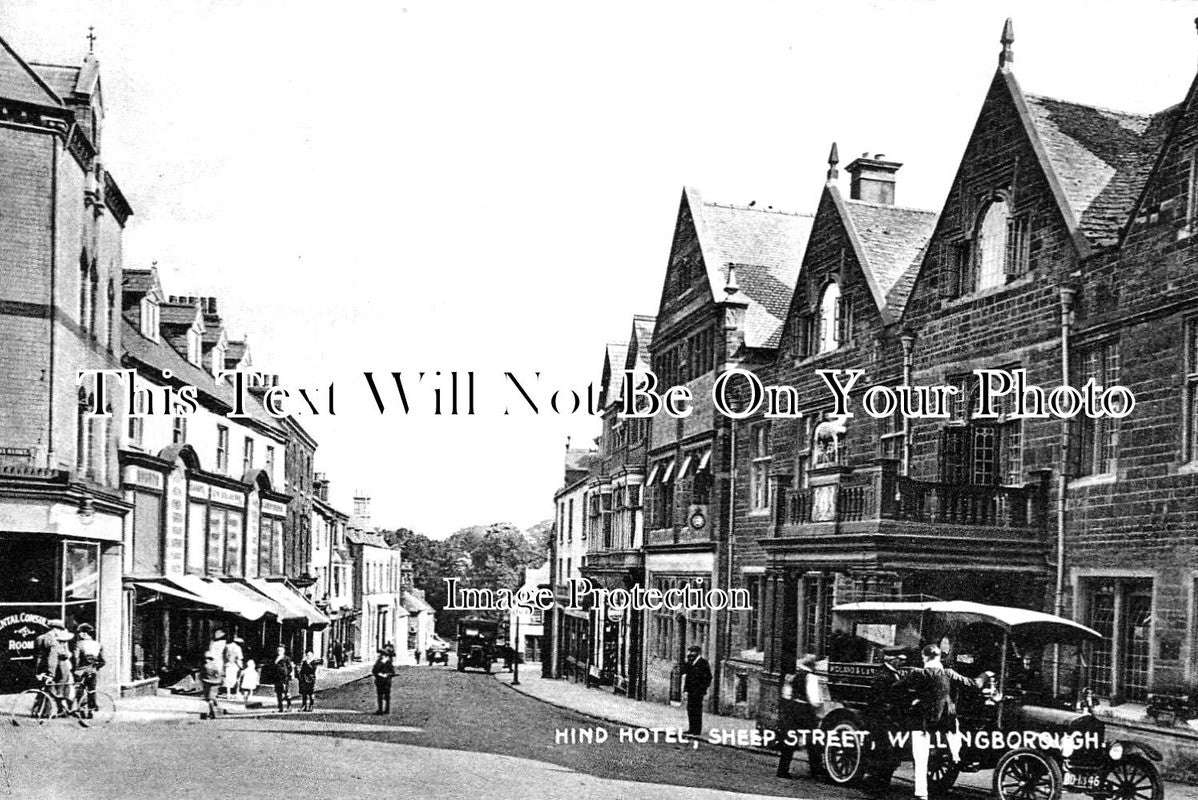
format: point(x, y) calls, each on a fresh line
point(698, 520)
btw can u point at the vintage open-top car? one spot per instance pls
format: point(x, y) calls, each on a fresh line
point(1031, 721)
point(477, 643)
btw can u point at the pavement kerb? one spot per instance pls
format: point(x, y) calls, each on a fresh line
point(610, 721)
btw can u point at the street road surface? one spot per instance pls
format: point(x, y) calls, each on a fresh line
point(450, 735)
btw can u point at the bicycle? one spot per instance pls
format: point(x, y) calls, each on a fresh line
point(39, 706)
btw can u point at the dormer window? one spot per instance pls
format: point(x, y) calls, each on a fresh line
point(218, 359)
point(193, 346)
point(149, 318)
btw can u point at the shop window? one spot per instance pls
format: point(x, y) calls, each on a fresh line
point(30, 573)
point(197, 533)
point(147, 534)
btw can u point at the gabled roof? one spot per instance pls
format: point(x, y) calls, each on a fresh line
point(59, 77)
point(642, 333)
point(19, 81)
point(178, 314)
point(614, 356)
point(368, 538)
point(577, 459)
point(1100, 158)
point(892, 241)
point(141, 281)
point(161, 356)
point(766, 249)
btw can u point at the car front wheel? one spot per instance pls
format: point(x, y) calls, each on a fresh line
point(844, 762)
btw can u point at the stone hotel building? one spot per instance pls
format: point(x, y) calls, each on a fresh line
point(1064, 247)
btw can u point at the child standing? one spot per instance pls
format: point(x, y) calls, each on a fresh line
point(307, 680)
point(249, 679)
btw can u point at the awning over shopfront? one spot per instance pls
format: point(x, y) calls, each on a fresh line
point(280, 612)
point(298, 606)
point(222, 596)
point(166, 590)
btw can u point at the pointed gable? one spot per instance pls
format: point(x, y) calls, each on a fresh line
point(639, 342)
point(614, 356)
point(891, 240)
point(765, 248)
point(18, 81)
point(1100, 158)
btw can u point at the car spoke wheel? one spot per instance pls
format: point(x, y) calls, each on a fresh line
point(33, 707)
point(1027, 775)
point(1134, 779)
point(942, 772)
point(844, 762)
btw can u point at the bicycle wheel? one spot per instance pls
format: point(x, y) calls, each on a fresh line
point(33, 707)
point(103, 709)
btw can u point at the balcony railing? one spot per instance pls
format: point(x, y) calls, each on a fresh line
point(878, 492)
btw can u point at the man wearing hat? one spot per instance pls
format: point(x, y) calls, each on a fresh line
point(52, 656)
point(89, 658)
point(798, 709)
point(889, 710)
point(696, 678)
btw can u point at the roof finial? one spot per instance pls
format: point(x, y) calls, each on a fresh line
point(833, 160)
point(731, 287)
point(91, 39)
point(1008, 38)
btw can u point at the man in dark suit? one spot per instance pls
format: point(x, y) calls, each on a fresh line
point(696, 678)
point(934, 711)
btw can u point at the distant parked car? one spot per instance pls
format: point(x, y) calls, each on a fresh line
point(437, 651)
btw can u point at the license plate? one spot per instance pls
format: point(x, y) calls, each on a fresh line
point(1082, 781)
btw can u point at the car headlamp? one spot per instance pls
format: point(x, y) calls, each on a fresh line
point(1115, 751)
point(1067, 746)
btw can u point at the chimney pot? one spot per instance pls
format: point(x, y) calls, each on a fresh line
point(872, 179)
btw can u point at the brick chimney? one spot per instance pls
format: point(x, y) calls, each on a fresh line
point(872, 179)
point(320, 483)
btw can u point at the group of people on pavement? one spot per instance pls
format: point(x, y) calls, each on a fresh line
point(918, 700)
point(66, 663)
point(227, 669)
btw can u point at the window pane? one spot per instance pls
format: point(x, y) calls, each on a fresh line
point(81, 572)
point(216, 541)
point(30, 573)
point(147, 534)
point(992, 246)
point(197, 531)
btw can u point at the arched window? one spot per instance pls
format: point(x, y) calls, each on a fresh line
point(825, 443)
point(829, 318)
point(992, 244)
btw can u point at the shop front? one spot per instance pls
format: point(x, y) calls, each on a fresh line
point(43, 578)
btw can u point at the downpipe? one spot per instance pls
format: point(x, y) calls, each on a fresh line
point(1058, 602)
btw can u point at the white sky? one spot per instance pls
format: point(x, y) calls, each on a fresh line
point(493, 186)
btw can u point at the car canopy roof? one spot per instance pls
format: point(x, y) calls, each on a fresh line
point(1020, 621)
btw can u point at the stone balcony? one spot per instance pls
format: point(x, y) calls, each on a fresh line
point(873, 513)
